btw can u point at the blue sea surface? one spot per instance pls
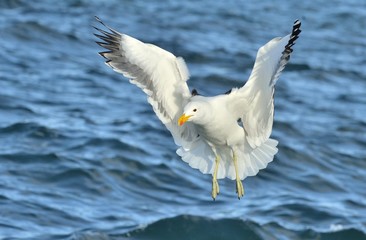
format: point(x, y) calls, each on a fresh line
point(83, 156)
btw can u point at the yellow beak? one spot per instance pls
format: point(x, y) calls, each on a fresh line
point(183, 119)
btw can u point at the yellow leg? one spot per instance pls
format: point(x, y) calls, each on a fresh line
point(215, 184)
point(239, 184)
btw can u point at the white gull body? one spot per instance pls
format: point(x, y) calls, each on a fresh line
point(226, 135)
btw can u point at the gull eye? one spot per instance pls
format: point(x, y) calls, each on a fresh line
point(195, 110)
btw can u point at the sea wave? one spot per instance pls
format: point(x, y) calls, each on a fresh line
point(197, 227)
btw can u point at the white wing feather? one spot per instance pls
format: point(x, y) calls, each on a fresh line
point(160, 74)
point(253, 103)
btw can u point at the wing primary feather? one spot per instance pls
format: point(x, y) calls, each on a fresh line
point(108, 34)
point(106, 39)
point(104, 53)
point(109, 28)
point(112, 47)
point(294, 35)
point(286, 52)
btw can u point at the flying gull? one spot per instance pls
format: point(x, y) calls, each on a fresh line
point(226, 135)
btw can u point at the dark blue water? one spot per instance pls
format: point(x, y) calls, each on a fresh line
point(83, 156)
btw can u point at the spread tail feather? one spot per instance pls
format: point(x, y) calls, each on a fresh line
point(200, 156)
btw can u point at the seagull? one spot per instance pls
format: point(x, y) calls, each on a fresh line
point(227, 135)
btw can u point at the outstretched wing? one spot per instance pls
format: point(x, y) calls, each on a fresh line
point(160, 74)
point(254, 101)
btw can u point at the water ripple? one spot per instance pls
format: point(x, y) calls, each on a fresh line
point(84, 157)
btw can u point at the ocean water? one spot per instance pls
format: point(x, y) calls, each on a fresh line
point(83, 156)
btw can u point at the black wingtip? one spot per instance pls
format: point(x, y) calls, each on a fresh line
point(110, 38)
point(287, 51)
point(296, 28)
point(294, 35)
point(103, 54)
point(297, 23)
point(109, 28)
point(98, 19)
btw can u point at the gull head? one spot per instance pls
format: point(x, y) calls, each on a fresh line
point(195, 112)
